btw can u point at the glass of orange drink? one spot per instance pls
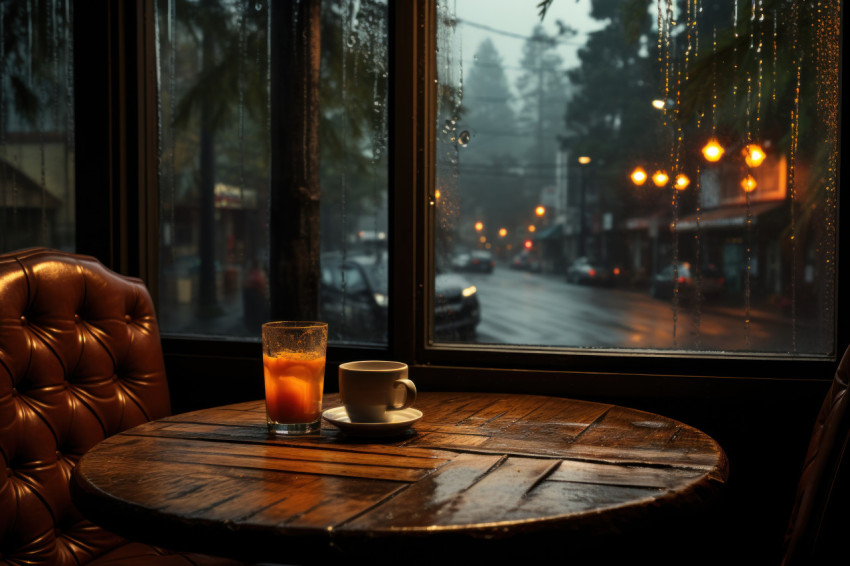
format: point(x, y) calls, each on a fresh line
point(294, 372)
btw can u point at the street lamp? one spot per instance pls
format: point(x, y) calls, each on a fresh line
point(479, 226)
point(540, 211)
point(681, 182)
point(713, 151)
point(753, 155)
point(638, 176)
point(503, 232)
point(660, 178)
point(583, 161)
point(748, 183)
point(532, 228)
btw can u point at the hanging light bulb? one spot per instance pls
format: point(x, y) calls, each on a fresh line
point(748, 184)
point(754, 155)
point(479, 226)
point(638, 176)
point(681, 183)
point(713, 151)
point(660, 178)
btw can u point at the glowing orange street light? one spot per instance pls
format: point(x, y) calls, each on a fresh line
point(503, 232)
point(532, 227)
point(437, 194)
point(528, 244)
point(754, 155)
point(479, 226)
point(584, 160)
point(660, 178)
point(540, 211)
point(658, 104)
point(482, 239)
point(638, 176)
point(748, 184)
point(713, 151)
point(681, 183)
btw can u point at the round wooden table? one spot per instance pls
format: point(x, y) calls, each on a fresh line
point(482, 474)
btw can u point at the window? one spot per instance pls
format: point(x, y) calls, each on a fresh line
point(414, 173)
point(648, 176)
point(226, 170)
point(37, 189)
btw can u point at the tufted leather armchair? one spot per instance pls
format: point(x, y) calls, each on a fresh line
point(820, 520)
point(80, 359)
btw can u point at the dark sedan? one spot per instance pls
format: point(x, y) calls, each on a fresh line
point(587, 272)
point(708, 282)
point(355, 300)
point(476, 261)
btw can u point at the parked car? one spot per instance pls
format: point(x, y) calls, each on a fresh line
point(354, 300)
point(460, 261)
point(456, 308)
point(587, 272)
point(477, 261)
point(353, 297)
point(709, 282)
point(525, 261)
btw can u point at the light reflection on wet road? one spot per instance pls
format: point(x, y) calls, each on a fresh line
point(533, 309)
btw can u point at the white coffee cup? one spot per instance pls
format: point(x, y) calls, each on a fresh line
point(370, 390)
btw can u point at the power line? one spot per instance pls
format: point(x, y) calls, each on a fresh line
point(550, 68)
point(540, 39)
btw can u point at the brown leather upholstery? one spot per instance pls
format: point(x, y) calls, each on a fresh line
point(820, 520)
point(80, 359)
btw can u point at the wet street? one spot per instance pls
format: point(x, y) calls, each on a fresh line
point(524, 308)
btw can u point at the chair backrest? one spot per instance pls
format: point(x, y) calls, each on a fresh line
point(80, 359)
point(820, 519)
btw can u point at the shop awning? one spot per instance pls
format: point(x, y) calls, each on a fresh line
point(554, 232)
point(727, 217)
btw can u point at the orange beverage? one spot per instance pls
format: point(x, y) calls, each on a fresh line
point(294, 384)
point(294, 373)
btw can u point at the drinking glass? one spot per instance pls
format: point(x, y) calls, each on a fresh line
point(294, 372)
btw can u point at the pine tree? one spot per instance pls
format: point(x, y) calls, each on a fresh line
point(543, 91)
point(487, 161)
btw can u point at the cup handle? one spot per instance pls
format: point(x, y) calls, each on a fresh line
point(409, 393)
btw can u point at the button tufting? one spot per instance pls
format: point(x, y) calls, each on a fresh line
point(9, 472)
point(76, 318)
point(127, 317)
point(23, 319)
point(14, 392)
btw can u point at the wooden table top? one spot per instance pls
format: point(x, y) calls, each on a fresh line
point(488, 471)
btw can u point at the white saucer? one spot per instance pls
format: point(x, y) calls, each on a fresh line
point(401, 421)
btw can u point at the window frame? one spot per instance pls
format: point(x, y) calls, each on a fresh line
point(124, 113)
point(548, 369)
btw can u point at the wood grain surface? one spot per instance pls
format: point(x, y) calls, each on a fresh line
point(489, 474)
